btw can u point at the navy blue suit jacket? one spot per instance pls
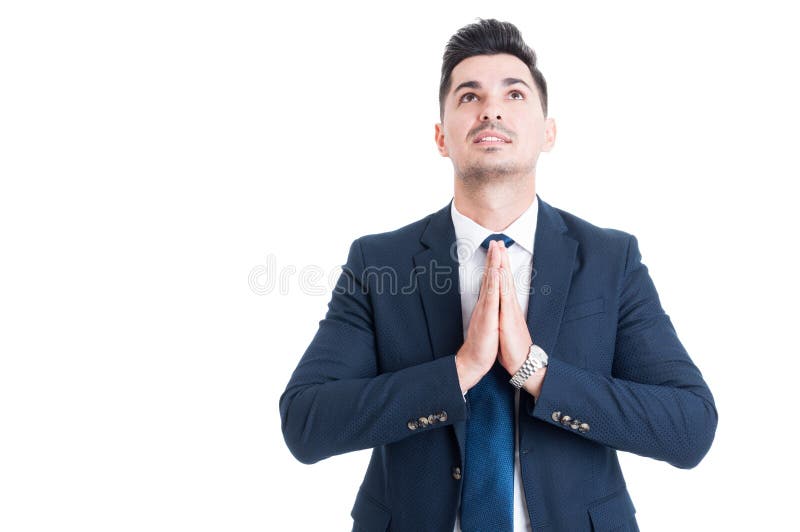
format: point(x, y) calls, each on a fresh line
point(380, 373)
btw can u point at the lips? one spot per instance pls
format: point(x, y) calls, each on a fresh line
point(491, 137)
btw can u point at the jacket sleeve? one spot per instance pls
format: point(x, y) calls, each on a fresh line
point(655, 403)
point(338, 400)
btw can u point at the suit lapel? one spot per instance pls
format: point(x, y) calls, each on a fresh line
point(437, 275)
point(437, 267)
point(554, 255)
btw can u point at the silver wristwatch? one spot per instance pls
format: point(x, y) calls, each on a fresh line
point(537, 358)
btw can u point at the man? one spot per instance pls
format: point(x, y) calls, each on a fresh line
point(527, 347)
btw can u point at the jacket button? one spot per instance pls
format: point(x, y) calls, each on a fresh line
point(556, 416)
point(423, 421)
point(575, 424)
point(583, 427)
point(566, 420)
point(442, 416)
point(457, 473)
point(412, 425)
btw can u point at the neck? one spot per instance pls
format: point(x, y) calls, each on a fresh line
point(496, 205)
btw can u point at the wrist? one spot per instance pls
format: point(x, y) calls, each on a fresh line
point(468, 375)
point(533, 385)
point(535, 362)
point(516, 354)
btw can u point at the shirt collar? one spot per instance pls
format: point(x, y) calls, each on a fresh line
point(470, 234)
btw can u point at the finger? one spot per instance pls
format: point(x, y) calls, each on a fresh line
point(493, 300)
point(491, 285)
point(495, 257)
point(495, 261)
point(505, 261)
point(504, 289)
point(509, 303)
point(508, 277)
point(485, 276)
point(498, 273)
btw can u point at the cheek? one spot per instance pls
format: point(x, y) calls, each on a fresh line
point(536, 135)
point(452, 138)
point(537, 138)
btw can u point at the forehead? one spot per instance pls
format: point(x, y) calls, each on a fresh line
point(490, 70)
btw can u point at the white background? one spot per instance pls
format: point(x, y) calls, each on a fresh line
point(154, 154)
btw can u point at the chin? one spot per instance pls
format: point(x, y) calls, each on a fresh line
point(486, 173)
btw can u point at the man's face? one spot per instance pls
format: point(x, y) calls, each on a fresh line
point(493, 124)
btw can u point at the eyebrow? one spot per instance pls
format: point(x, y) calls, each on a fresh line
point(476, 85)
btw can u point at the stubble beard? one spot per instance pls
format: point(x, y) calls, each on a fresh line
point(479, 174)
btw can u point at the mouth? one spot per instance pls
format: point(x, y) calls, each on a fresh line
point(491, 138)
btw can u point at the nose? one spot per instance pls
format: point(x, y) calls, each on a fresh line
point(491, 115)
point(491, 109)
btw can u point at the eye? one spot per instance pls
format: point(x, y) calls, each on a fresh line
point(467, 97)
point(517, 95)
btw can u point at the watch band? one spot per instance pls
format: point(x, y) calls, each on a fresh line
point(536, 359)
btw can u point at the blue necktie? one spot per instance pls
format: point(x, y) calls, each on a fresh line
point(487, 495)
point(507, 240)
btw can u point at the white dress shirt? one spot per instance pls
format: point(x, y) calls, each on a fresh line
point(472, 263)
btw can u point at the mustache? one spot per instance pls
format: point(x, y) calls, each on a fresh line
point(494, 126)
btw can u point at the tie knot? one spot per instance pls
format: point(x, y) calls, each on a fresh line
point(507, 240)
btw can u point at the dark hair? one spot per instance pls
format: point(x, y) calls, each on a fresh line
point(488, 37)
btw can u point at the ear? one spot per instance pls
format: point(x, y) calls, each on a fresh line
point(549, 134)
point(439, 138)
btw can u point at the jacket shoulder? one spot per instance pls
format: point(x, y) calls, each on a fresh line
point(401, 242)
point(410, 232)
point(588, 233)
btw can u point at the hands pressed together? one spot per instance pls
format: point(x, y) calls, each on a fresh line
point(497, 329)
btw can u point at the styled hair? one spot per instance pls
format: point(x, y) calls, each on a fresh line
point(488, 37)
